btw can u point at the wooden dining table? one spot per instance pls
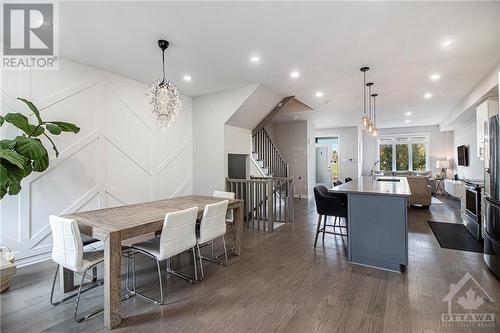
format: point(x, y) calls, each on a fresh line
point(116, 224)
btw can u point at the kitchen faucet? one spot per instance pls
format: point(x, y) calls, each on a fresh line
point(372, 172)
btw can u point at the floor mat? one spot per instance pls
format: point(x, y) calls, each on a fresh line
point(455, 236)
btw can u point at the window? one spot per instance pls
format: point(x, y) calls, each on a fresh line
point(404, 153)
point(385, 157)
point(402, 157)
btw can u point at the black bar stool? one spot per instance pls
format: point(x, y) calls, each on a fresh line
point(330, 204)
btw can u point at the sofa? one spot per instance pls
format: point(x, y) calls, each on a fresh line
point(425, 174)
point(421, 191)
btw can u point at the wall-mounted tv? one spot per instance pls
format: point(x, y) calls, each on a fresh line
point(463, 158)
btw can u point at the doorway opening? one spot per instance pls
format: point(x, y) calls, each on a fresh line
point(238, 166)
point(327, 160)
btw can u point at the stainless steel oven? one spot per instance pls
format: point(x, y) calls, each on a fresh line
point(472, 219)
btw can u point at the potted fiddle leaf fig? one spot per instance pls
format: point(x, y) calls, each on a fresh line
point(22, 155)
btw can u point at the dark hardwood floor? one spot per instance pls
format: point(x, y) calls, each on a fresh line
point(279, 284)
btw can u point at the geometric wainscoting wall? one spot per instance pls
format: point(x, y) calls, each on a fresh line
point(119, 157)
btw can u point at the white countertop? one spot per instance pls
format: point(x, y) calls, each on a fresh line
point(368, 185)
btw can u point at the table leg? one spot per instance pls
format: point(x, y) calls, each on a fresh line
point(112, 280)
point(66, 278)
point(238, 229)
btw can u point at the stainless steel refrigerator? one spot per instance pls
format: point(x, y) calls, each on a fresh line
point(491, 226)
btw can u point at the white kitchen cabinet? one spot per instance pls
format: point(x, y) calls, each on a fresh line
point(483, 111)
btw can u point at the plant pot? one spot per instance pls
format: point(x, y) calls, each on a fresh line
point(7, 267)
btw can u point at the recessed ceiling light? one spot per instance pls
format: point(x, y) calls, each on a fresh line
point(428, 95)
point(319, 94)
point(448, 43)
point(435, 77)
point(294, 74)
point(255, 59)
point(187, 78)
point(407, 121)
point(408, 113)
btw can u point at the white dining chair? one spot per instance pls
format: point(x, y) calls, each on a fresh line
point(178, 235)
point(69, 252)
point(212, 226)
point(229, 215)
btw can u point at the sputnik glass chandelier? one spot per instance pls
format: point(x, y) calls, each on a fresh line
point(164, 96)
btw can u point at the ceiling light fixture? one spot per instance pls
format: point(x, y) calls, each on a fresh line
point(448, 43)
point(164, 96)
point(435, 77)
point(319, 94)
point(187, 78)
point(408, 113)
point(294, 74)
point(255, 59)
point(364, 117)
point(428, 95)
point(407, 121)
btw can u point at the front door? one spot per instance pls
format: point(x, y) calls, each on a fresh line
point(323, 165)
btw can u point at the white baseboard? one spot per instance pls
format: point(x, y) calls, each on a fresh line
point(33, 259)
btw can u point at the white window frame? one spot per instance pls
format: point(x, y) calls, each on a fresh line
point(410, 140)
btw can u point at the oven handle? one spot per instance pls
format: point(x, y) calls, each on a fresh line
point(492, 202)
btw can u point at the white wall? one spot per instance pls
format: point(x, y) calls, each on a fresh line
point(291, 141)
point(241, 108)
point(237, 140)
point(311, 158)
point(119, 156)
point(210, 115)
point(348, 146)
point(440, 145)
point(484, 89)
point(467, 136)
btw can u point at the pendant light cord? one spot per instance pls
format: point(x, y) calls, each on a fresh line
point(369, 99)
point(364, 93)
point(163, 65)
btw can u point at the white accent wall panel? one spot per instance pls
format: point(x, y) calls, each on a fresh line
point(119, 157)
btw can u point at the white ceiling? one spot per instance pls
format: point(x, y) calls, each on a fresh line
point(326, 41)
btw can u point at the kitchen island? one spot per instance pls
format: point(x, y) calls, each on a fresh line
point(377, 221)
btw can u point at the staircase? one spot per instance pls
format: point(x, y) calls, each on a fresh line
point(267, 157)
point(268, 201)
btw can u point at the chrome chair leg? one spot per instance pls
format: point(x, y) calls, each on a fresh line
point(189, 278)
point(134, 281)
point(214, 260)
point(225, 251)
point(97, 283)
point(201, 263)
point(78, 302)
point(195, 268)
